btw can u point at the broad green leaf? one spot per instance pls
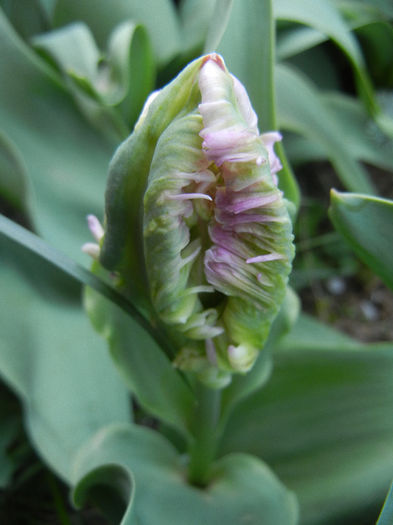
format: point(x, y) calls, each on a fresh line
point(386, 516)
point(366, 223)
point(142, 363)
point(63, 266)
point(64, 158)
point(241, 486)
point(158, 16)
point(361, 136)
point(296, 39)
point(52, 359)
point(300, 109)
point(324, 17)
point(72, 48)
point(137, 348)
point(377, 41)
point(218, 24)
point(111, 489)
point(307, 330)
point(375, 8)
point(195, 18)
point(132, 67)
point(122, 75)
point(248, 48)
point(323, 423)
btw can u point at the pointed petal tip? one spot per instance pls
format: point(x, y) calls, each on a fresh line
point(95, 227)
point(215, 57)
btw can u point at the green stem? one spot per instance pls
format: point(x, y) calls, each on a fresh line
point(206, 434)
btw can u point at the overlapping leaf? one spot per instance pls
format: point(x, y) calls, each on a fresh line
point(52, 359)
point(366, 223)
point(241, 487)
point(323, 423)
point(158, 16)
point(301, 110)
point(64, 158)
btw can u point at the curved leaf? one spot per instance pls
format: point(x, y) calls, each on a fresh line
point(386, 516)
point(65, 159)
point(30, 243)
point(158, 16)
point(295, 40)
point(109, 487)
point(195, 17)
point(241, 486)
point(52, 359)
point(144, 366)
point(323, 422)
point(218, 24)
point(361, 136)
point(122, 76)
point(375, 8)
point(366, 223)
point(323, 16)
point(300, 109)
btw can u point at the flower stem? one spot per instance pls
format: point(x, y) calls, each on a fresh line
point(206, 434)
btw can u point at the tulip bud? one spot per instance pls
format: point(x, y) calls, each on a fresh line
point(195, 224)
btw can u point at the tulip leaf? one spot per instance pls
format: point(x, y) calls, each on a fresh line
point(301, 110)
point(123, 76)
point(361, 8)
point(386, 516)
point(64, 158)
point(142, 363)
point(324, 17)
point(218, 24)
point(111, 489)
point(307, 329)
point(241, 486)
point(292, 41)
point(52, 359)
point(323, 423)
point(366, 223)
point(30, 243)
point(158, 16)
point(72, 48)
point(361, 136)
point(195, 18)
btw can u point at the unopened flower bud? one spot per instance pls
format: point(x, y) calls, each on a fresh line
point(195, 223)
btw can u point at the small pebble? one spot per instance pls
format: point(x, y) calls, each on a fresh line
point(369, 310)
point(336, 286)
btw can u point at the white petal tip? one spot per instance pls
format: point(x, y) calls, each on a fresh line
point(92, 249)
point(95, 227)
point(264, 258)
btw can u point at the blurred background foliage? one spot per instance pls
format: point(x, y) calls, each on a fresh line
point(74, 77)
